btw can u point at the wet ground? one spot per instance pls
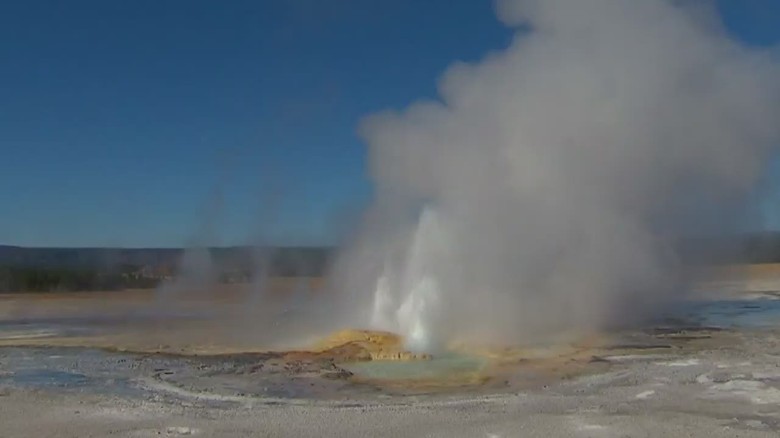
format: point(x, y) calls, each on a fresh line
point(693, 327)
point(730, 313)
point(710, 368)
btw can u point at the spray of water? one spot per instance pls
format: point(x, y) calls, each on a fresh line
point(554, 174)
point(407, 296)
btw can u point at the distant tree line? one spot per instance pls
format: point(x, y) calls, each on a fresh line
point(297, 262)
point(47, 279)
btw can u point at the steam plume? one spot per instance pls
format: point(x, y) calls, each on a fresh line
point(552, 175)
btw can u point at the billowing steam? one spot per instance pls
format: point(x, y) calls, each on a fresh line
point(542, 190)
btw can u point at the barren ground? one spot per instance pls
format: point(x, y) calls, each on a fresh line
point(712, 371)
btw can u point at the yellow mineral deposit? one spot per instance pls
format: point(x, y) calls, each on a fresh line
point(351, 344)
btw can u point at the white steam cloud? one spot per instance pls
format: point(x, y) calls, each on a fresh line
point(552, 175)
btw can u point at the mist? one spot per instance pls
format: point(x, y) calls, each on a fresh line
point(540, 193)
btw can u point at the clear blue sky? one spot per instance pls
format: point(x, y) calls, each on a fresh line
point(160, 122)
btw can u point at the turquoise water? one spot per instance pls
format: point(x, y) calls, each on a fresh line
point(442, 365)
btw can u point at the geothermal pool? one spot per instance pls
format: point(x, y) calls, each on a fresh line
point(439, 366)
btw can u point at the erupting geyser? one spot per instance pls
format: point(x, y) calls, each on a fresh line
point(560, 171)
point(411, 304)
